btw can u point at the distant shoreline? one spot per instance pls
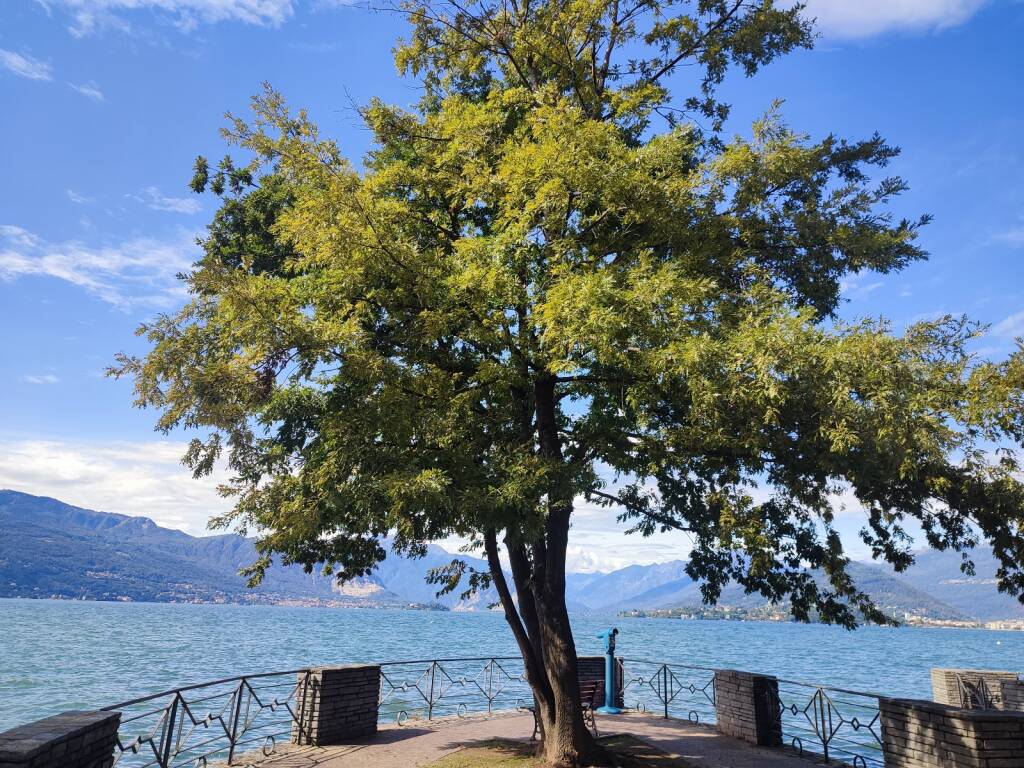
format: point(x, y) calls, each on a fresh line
point(777, 617)
point(710, 615)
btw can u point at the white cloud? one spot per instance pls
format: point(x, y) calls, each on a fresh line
point(160, 202)
point(857, 287)
point(864, 18)
point(90, 15)
point(139, 272)
point(1010, 327)
point(78, 199)
point(44, 378)
point(1013, 237)
point(133, 478)
point(25, 66)
point(90, 90)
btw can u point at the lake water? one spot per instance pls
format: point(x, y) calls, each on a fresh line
point(59, 655)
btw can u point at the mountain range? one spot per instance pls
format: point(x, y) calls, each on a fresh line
point(52, 549)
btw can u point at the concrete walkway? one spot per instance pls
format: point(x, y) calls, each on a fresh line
point(420, 743)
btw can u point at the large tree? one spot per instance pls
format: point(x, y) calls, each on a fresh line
point(557, 279)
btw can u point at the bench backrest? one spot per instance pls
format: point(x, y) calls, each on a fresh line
point(591, 693)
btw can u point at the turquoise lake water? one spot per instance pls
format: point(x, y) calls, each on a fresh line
point(60, 655)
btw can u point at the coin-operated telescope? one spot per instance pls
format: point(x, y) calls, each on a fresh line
point(609, 708)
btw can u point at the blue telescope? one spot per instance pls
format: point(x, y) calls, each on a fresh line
point(609, 708)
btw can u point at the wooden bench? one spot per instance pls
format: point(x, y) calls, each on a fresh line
point(591, 697)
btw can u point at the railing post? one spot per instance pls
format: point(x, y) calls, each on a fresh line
point(430, 700)
point(168, 735)
point(746, 707)
point(235, 714)
point(664, 688)
point(490, 685)
point(336, 704)
point(823, 726)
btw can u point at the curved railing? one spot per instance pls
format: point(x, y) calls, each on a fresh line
point(232, 720)
point(198, 724)
point(835, 724)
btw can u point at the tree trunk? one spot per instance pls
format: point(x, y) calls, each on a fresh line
point(567, 741)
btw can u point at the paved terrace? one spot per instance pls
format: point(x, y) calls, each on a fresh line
point(419, 743)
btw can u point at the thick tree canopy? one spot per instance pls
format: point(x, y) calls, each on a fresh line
point(557, 278)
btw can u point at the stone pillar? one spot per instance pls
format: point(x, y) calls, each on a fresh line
point(747, 707)
point(591, 669)
point(67, 740)
point(1013, 695)
point(334, 705)
point(924, 734)
point(979, 686)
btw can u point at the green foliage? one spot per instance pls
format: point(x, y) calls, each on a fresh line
point(528, 285)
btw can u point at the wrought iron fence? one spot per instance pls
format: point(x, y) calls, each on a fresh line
point(229, 720)
point(838, 724)
point(215, 721)
point(672, 690)
point(431, 688)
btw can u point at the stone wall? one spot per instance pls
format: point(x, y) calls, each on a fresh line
point(924, 734)
point(592, 668)
point(334, 705)
point(979, 685)
point(68, 740)
point(747, 707)
point(1013, 695)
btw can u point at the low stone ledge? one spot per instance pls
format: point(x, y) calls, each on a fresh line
point(925, 734)
point(67, 740)
point(1013, 695)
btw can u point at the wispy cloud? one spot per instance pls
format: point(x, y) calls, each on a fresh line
point(25, 66)
point(859, 286)
point(91, 15)
point(138, 272)
point(133, 478)
point(1010, 327)
point(78, 199)
point(160, 202)
point(90, 90)
point(865, 18)
point(1013, 237)
point(44, 378)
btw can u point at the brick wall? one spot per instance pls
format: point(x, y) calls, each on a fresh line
point(336, 704)
point(747, 707)
point(979, 684)
point(1013, 695)
point(592, 668)
point(68, 740)
point(924, 734)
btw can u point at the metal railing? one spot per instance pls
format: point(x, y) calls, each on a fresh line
point(230, 719)
point(430, 688)
point(974, 692)
point(196, 724)
point(672, 690)
point(835, 724)
point(233, 719)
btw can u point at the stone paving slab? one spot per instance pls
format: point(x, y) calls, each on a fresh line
point(420, 743)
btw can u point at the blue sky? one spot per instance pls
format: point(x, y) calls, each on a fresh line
point(106, 103)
